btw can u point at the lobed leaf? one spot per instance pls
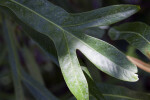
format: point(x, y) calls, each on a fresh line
point(100, 17)
point(52, 23)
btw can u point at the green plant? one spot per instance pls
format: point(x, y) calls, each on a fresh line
point(54, 29)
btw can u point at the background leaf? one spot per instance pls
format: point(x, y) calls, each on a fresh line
point(32, 66)
point(120, 93)
point(2, 55)
point(13, 58)
point(135, 33)
point(113, 92)
point(37, 89)
point(93, 89)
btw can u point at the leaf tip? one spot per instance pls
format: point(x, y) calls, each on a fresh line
point(113, 33)
point(138, 7)
point(136, 78)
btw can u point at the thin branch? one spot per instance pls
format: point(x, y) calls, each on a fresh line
point(142, 65)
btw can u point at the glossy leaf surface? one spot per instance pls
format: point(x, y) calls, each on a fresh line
point(66, 31)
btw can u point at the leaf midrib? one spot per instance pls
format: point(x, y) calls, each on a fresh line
point(136, 33)
point(56, 26)
point(59, 27)
point(66, 40)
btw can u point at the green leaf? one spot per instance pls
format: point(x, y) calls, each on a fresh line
point(93, 89)
point(100, 17)
point(32, 65)
point(95, 32)
point(131, 51)
point(64, 4)
point(136, 33)
point(13, 58)
point(112, 92)
point(37, 89)
point(90, 98)
point(65, 30)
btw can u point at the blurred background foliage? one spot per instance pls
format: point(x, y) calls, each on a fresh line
point(35, 60)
